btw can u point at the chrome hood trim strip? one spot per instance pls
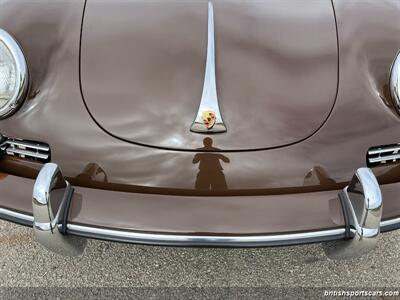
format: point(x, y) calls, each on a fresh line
point(209, 99)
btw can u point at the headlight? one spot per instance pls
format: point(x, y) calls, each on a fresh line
point(13, 75)
point(395, 83)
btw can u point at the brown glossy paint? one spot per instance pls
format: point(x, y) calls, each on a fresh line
point(142, 68)
point(211, 215)
point(163, 213)
point(55, 113)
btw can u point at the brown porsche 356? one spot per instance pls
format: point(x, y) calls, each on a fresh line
point(209, 123)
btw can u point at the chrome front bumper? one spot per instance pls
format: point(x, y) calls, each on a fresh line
point(149, 238)
point(198, 240)
point(361, 201)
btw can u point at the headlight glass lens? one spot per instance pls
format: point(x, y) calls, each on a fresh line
point(13, 75)
point(394, 83)
point(8, 76)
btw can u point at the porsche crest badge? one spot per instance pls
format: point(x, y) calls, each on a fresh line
point(209, 119)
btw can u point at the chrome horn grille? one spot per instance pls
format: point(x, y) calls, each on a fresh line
point(31, 150)
point(383, 155)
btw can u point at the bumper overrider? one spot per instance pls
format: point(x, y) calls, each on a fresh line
point(361, 202)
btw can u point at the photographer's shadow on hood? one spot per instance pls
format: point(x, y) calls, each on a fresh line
point(211, 175)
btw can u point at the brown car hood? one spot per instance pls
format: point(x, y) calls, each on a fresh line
point(143, 64)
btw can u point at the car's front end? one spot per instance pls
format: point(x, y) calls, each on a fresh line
point(223, 123)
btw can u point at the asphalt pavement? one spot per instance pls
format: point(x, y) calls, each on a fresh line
point(24, 263)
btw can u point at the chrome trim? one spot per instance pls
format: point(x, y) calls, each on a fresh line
point(25, 149)
point(13, 151)
point(390, 224)
point(16, 217)
point(361, 199)
point(383, 154)
point(205, 240)
point(22, 79)
point(21, 143)
point(173, 239)
point(49, 203)
point(394, 82)
point(209, 98)
point(380, 150)
point(384, 158)
point(363, 205)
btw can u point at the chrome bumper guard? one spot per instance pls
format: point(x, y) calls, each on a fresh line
point(361, 201)
point(51, 202)
point(362, 209)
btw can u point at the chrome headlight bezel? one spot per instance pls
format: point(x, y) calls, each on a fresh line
point(394, 82)
point(22, 78)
